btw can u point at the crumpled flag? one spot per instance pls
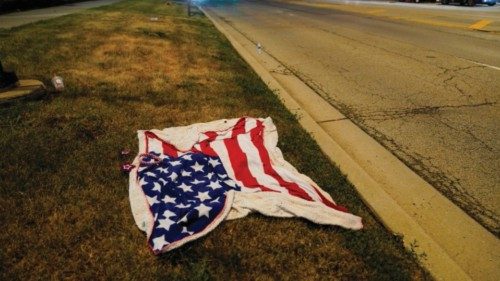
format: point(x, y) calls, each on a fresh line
point(187, 180)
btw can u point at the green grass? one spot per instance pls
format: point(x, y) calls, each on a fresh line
point(64, 206)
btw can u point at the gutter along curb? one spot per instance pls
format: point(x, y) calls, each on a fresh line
point(456, 247)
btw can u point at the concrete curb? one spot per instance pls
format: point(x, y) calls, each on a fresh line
point(455, 246)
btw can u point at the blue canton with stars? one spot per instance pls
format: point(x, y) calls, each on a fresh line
point(185, 194)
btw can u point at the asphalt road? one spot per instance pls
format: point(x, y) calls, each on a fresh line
point(418, 80)
point(19, 18)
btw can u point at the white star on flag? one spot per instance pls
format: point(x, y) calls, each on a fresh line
point(197, 167)
point(168, 199)
point(166, 223)
point(214, 185)
point(185, 173)
point(231, 183)
point(142, 182)
point(187, 157)
point(150, 174)
point(168, 214)
point(184, 219)
point(203, 210)
point(163, 170)
point(157, 187)
point(152, 200)
point(203, 196)
point(185, 187)
point(184, 230)
point(175, 163)
point(214, 162)
point(163, 181)
point(182, 206)
point(173, 176)
point(222, 176)
point(196, 181)
point(209, 175)
point(159, 242)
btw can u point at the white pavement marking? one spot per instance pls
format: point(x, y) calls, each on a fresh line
point(485, 65)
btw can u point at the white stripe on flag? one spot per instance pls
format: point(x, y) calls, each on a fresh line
point(291, 177)
point(154, 145)
point(250, 123)
point(256, 166)
point(220, 149)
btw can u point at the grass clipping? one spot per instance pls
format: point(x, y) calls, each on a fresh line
point(63, 202)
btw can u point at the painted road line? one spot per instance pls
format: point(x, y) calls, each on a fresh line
point(433, 22)
point(378, 11)
point(394, 15)
point(480, 24)
point(485, 65)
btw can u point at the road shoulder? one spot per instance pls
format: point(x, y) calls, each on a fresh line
point(456, 247)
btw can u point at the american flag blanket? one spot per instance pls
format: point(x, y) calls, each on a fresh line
point(187, 180)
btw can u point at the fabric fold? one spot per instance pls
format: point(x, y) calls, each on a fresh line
point(188, 179)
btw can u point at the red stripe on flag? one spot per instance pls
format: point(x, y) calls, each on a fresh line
point(293, 188)
point(147, 142)
point(239, 127)
point(205, 144)
point(239, 160)
point(211, 135)
point(330, 203)
point(168, 149)
point(258, 141)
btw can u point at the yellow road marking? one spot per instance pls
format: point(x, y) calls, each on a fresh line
point(383, 13)
point(378, 11)
point(433, 22)
point(480, 24)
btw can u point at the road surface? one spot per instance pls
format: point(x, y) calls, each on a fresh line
point(419, 79)
point(20, 18)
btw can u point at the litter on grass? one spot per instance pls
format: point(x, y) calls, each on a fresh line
point(58, 83)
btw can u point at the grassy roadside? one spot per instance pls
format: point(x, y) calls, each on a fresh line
point(63, 202)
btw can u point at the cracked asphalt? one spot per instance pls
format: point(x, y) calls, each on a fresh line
point(427, 93)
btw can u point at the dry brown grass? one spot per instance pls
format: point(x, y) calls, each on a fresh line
point(63, 202)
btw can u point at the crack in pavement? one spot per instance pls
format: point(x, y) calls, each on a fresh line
point(467, 132)
point(425, 110)
point(448, 185)
point(331, 120)
point(454, 74)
